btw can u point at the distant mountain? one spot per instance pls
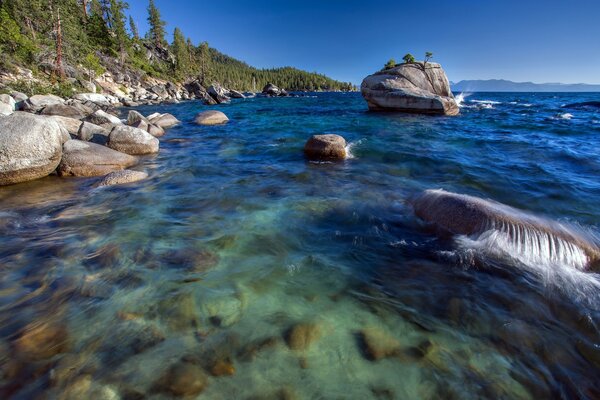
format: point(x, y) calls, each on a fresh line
point(502, 85)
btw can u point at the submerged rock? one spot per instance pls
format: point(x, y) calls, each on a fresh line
point(90, 159)
point(184, 379)
point(40, 341)
point(30, 147)
point(134, 141)
point(325, 147)
point(467, 215)
point(413, 87)
point(302, 336)
point(122, 177)
point(378, 344)
point(211, 117)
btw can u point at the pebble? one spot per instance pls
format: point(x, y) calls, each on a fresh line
point(378, 344)
point(302, 336)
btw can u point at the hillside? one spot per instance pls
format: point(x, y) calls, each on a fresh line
point(65, 46)
point(502, 85)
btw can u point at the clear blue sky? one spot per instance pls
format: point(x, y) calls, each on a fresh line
point(520, 40)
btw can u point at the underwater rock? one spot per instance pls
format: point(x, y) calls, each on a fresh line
point(417, 87)
point(285, 393)
point(211, 117)
point(122, 177)
point(40, 341)
point(467, 215)
point(222, 368)
point(223, 311)
point(302, 336)
point(85, 388)
point(178, 311)
point(377, 344)
point(250, 351)
point(184, 379)
point(70, 366)
point(325, 147)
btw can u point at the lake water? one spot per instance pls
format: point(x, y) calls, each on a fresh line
point(240, 265)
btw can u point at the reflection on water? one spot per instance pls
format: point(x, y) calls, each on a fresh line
point(238, 270)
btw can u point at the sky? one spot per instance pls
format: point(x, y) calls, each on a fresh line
point(519, 40)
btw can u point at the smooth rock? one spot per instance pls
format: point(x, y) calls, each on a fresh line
point(141, 124)
point(30, 147)
point(219, 93)
point(122, 177)
point(222, 368)
point(18, 96)
point(6, 109)
point(236, 95)
point(90, 159)
point(378, 344)
point(184, 379)
point(155, 131)
point(37, 102)
point(92, 133)
point(8, 100)
point(101, 117)
point(40, 341)
point(134, 117)
point(134, 141)
point(325, 147)
point(211, 117)
point(63, 110)
point(93, 97)
point(72, 125)
point(302, 336)
point(271, 90)
point(165, 121)
point(413, 88)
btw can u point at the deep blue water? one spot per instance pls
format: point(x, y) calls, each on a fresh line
point(235, 238)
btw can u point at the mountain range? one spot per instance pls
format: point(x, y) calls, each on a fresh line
point(502, 85)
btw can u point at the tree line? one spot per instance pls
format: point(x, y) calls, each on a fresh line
point(57, 36)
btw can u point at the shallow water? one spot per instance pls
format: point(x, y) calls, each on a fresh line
point(235, 240)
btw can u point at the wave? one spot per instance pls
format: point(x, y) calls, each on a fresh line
point(349, 154)
point(492, 102)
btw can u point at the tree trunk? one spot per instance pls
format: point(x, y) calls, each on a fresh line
point(84, 4)
point(59, 47)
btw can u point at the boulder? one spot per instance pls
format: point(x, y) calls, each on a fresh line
point(93, 133)
point(72, 125)
point(467, 215)
point(18, 96)
point(42, 340)
point(122, 177)
point(101, 117)
point(133, 117)
point(271, 90)
point(165, 121)
point(377, 344)
point(93, 97)
point(8, 100)
point(413, 88)
point(218, 93)
point(302, 336)
point(38, 102)
point(6, 109)
point(63, 110)
point(160, 91)
point(30, 147)
point(134, 141)
point(325, 147)
point(211, 117)
point(234, 94)
point(183, 380)
point(155, 130)
point(90, 159)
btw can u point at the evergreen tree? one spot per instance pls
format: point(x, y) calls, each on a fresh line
point(116, 21)
point(157, 25)
point(180, 51)
point(133, 29)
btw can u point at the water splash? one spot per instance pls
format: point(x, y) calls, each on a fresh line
point(460, 98)
point(350, 146)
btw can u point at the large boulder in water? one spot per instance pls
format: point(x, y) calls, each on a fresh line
point(90, 159)
point(467, 215)
point(219, 93)
point(211, 117)
point(413, 88)
point(325, 147)
point(134, 141)
point(30, 147)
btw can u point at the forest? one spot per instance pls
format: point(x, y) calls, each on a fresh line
point(61, 40)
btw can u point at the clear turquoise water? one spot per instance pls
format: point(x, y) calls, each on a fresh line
point(235, 239)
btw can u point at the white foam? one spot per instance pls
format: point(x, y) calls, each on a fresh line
point(460, 99)
point(492, 102)
point(350, 146)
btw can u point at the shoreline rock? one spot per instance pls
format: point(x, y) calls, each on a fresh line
point(325, 148)
point(86, 159)
point(133, 141)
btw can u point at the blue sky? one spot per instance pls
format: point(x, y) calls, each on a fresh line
point(520, 40)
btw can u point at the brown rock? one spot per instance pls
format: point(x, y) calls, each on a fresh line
point(378, 344)
point(40, 341)
point(211, 117)
point(165, 121)
point(325, 147)
point(184, 379)
point(122, 177)
point(63, 110)
point(90, 159)
point(155, 130)
point(302, 336)
point(222, 368)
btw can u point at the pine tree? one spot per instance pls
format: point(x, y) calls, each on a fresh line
point(180, 51)
point(116, 21)
point(133, 29)
point(157, 25)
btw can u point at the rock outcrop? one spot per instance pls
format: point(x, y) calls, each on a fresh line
point(90, 159)
point(273, 91)
point(413, 88)
point(134, 141)
point(219, 93)
point(211, 117)
point(325, 147)
point(467, 215)
point(30, 147)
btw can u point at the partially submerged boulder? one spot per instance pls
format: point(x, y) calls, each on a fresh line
point(165, 121)
point(272, 90)
point(219, 93)
point(325, 147)
point(234, 94)
point(134, 141)
point(122, 177)
point(90, 159)
point(418, 87)
point(30, 147)
point(467, 215)
point(211, 117)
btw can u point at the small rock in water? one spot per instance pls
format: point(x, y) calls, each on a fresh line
point(302, 336)
point(325, 147)
point(179, 311)
point(40, 341)
point(184, 379)
point(211, 117)
point(122, 177)
point(378, 344)
point(222, 368)
point(251, 350)
point(85, 388)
